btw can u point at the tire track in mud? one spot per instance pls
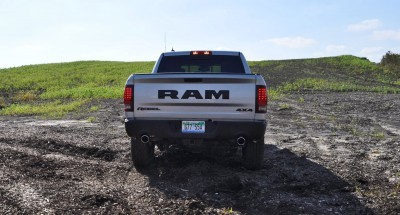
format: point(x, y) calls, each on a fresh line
point(27, 197)
point(59, 156)
point(363, 137)
point(39, 171)
point(56, 146)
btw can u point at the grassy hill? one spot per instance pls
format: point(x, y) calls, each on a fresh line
point(56, 89)
point(342, 73)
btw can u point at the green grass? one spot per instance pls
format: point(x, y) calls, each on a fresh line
point(284, 106)
point(84, 92)
point(274, 94)
point(48, 89)
point(82, 76)
point(345, 63)
point(94, 108)
point(91, 119)
point(336, 86)
point(54, 109)
point(379, 135)
point(341, 69)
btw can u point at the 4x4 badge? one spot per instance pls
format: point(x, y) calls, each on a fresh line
point(244, 110)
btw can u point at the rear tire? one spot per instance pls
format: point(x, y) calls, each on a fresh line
point(142, 153)
point(253, 155)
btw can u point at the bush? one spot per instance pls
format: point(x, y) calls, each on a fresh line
point(391, 63)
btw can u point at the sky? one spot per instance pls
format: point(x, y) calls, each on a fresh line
point(52, 31)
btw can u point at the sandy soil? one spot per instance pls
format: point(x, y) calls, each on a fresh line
point(325, 153)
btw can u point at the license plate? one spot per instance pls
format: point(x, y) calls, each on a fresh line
point(193, 126)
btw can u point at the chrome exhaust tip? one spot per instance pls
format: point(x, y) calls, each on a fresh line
point(241, 141)
point(145, 139)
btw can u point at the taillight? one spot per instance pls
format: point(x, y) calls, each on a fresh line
point(128, 98)
point(261, 99)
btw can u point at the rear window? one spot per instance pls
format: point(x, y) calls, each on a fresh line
point(201, 64)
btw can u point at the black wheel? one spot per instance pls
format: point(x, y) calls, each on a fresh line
point(253, 155)
point(142, 153)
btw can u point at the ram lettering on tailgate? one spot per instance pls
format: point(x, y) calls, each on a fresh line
point(209, 94)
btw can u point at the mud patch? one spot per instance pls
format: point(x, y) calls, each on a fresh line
point(328, 153)
point(98, 200)
point(50, 145)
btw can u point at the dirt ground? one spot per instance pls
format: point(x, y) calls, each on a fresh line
point(325, 153)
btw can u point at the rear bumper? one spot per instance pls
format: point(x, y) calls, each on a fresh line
point(218, 130)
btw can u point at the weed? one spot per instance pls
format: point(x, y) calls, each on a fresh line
point(94, 108)
point(274, 95)
point(387, 106)
point(91, 119)
point(3, 102)
point(355, 132)
point(395, 193)
point(358, 189)
point(226, 211)
point(332, 118)
point(316, 117)
point(301, 100)
point(25, 96)
point(379, 135)
point(284, 106)
point(348, 128)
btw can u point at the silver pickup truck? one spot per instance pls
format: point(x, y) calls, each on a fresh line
point(197, 100)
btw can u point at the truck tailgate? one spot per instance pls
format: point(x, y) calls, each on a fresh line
point(195, 96)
